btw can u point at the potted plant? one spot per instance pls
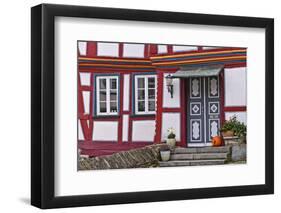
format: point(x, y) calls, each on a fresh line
point(165, 152)
point(233, 127)
point(171, 138)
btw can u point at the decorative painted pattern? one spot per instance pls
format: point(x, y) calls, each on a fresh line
point(214, 108)
point(214, 127)
point(213, 90)
point(195, 108)
point(195, 91)
point(195, 130)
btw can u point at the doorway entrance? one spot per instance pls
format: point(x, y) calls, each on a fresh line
point(203, 110)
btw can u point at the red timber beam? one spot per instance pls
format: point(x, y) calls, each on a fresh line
point(86, 129)
point(235, 109)
point(158, 121)
point(91, 49)
point(120, 119)
point(221, 82)
point(183, 112)
point(130, 126)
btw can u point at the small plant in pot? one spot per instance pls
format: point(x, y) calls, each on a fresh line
point(233, 127)
point(165, 152)
point(171, 138)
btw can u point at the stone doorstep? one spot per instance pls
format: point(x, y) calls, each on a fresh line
point(191, 163)
point(199, 156)
point(221, 149)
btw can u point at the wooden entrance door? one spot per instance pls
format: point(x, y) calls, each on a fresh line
point(203, 110)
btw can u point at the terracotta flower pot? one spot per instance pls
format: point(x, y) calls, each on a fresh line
point(228, 133)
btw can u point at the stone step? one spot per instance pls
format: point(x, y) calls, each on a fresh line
point(180, 150)
point(199, 156)
point(190, 162)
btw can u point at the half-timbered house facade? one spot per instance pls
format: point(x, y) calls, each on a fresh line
point(124, 100)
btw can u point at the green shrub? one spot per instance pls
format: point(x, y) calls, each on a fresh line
point(239, 128)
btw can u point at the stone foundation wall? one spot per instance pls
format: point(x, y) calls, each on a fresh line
point(145, 157)
point(239, 152)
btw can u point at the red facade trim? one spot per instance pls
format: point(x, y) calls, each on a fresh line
point(143, 118)
point(170, 49)
point(222, 114)
point(91, 49)
point(107, 118)
point(111, 70)
point(130, 129)
point(153, 49)
point(159, 107)
point(172, 109)
point(91, 122)
point(120, 123)
point(146, 50)
point(235, 109)
point(183, 109)
point(234, 65)
point(121, 48)
point(85, 88)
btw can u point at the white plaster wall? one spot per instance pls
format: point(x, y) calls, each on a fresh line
point(86, 99)
point(126, 92)
point(162, 48)
point(85, 78)
point(209, 48)
point(125, 128)
point(177, 48)
point(105, 131)
point(107, 49)
point(143, 131)
point(167, 100)
point(82, 47)
point(133, 50)
point(80, 132)
point(170, 120)
point(241, 116)
point(235, 81)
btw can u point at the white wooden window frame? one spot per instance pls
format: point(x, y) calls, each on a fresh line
point(146, 112)
point(108, 78)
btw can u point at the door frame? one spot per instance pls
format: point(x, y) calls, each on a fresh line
point(222, 112)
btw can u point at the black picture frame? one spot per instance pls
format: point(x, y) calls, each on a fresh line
point(43, 105)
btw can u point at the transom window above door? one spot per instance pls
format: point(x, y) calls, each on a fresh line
point(107, 97)
point(145, 94)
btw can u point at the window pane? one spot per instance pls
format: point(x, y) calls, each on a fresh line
point(102, 83)
point(102, 95)
point(151, 105)
point(141, 94)
point(113, 84)
point(113, 106)
point(151, 93)
point(141, 106)
point(113, 95)
point(151, 82)
point(102, 106)
point(140, 82)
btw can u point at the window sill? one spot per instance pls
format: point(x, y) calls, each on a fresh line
point(105, 116)
point(143, 115)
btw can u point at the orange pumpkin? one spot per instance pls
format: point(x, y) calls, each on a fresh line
point(217, 141)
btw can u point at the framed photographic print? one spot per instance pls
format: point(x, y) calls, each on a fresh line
point(139, 106)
